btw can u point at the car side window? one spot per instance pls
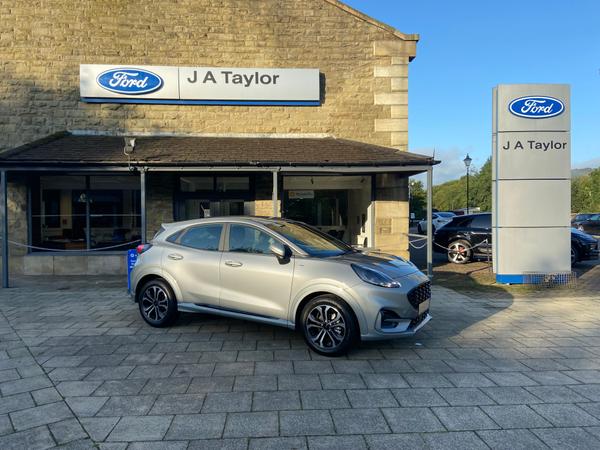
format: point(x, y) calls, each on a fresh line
point(484, 221)
point(246, 239)
point(205, 237)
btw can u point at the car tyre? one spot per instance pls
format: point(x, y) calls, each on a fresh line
point(157, 303)
point(459, 252)
point(329, 326)
point(574, 255)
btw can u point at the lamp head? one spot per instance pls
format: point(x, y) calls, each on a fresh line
point(467, 161)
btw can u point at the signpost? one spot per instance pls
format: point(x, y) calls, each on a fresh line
point(531, 181)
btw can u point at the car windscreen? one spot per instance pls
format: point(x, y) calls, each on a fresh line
point(310, 240)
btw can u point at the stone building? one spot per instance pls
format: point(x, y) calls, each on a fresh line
point(79, 194)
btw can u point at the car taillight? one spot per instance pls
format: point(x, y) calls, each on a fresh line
point(142, 248)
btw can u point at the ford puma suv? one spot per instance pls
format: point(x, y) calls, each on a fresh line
point(279, 272)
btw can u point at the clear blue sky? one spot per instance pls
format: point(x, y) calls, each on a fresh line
point(467, 47)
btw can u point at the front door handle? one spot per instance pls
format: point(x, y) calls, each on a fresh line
point(175, 256)
point(233, 263)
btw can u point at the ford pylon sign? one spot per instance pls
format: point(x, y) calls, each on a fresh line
point(531, 181)
point(129, 81)
point(533, 107)
point(102, 83)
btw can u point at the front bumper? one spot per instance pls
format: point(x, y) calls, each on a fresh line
point(393, 312)
point(416, 325)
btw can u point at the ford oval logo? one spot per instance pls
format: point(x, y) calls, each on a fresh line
point(534, 107)
point(129, 81)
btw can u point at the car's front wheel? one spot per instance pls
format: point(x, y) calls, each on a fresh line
point(574, 255)
point(157, 303)
point(459, 252)
point(328, 326)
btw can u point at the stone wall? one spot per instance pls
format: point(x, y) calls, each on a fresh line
point(363, 65)
point(391, 214)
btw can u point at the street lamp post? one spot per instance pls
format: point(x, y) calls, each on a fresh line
point(467, 162)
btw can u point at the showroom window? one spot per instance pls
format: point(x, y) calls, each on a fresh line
point(77, 212)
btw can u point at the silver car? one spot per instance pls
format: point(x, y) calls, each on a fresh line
point(279, 272)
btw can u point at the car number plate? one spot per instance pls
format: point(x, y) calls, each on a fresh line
point(424, 307)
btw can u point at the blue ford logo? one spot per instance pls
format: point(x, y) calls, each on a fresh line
point(129, 81)
point(534, 107)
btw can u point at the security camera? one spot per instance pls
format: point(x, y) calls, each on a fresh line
point(129, 145)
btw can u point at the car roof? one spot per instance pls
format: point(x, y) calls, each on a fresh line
point(235, 219)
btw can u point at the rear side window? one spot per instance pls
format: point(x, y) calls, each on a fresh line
point(174, 236)
point(484, 221)
point(460, 222)
point(205, 237)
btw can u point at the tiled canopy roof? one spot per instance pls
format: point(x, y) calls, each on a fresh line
point(70, 149)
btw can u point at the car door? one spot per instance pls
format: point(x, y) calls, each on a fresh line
point(192, 258)
point(481, 233)
point(253, 280)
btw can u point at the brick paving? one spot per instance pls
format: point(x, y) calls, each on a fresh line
point(80, 369)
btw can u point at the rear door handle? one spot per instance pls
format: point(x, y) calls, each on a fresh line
point(233, 263)
point(175, 256)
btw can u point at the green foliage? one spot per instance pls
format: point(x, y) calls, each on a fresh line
point(453, 194)
point(418, 199)
point(585, 192)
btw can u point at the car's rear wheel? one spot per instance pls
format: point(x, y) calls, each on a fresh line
point(574, 255)
point(157, 303)
point(328, 326)
point(459, 252)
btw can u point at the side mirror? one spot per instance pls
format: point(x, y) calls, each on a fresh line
point(280, 250)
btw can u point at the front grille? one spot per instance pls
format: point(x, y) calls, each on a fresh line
point(420, 294)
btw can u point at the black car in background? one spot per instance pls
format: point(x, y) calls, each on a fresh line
point(469, 237)
point(589, 223)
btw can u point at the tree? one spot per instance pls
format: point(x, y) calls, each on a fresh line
point(585, 192)
point(418, 198)
point(453, 194)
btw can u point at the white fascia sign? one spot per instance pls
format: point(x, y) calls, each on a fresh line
point(101, 83)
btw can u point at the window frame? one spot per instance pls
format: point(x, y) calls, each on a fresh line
point(267, 232)
point(34, 205)
point(185, 231)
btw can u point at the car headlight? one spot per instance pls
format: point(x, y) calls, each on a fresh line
point(375, 277)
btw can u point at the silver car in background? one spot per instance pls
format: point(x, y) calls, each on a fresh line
point(279, 272)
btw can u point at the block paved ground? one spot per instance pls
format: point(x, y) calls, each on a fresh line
point(80, 369)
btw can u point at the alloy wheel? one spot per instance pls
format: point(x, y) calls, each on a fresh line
point(325, 327)
point(458, 252)
point(155, 303)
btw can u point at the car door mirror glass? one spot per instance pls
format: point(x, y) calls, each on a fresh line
point(278, 249)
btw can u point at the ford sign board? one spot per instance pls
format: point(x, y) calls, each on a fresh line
point(534, 107)
point(129, 81)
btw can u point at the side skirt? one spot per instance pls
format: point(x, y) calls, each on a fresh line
point(209, 309)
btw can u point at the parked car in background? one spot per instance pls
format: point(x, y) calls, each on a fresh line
point(279, 272)
point(439, 219)
point(465, 238)
point(469, 237)
point(589, 223)
point(583, 246)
